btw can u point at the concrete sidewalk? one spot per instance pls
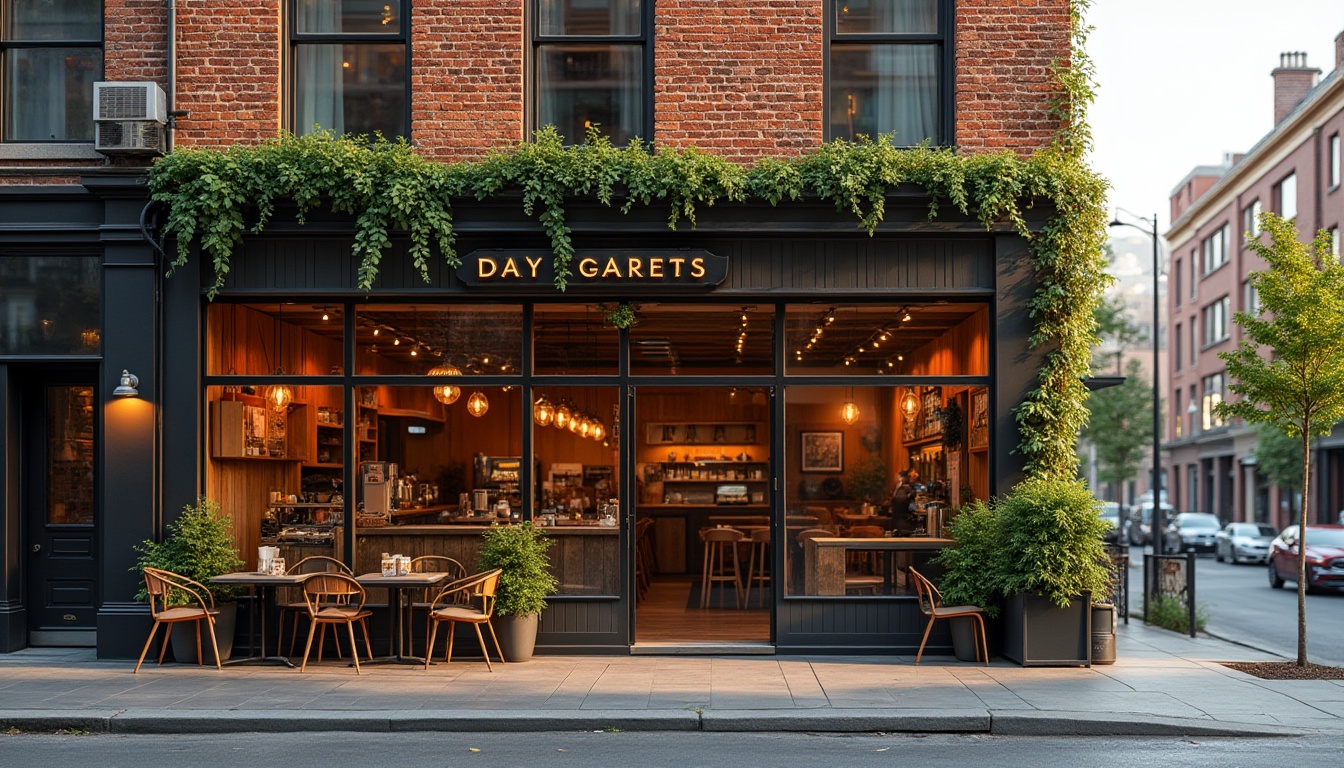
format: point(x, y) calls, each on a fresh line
point(1164, 684)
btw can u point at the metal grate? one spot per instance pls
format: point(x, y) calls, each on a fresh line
point(123, 102)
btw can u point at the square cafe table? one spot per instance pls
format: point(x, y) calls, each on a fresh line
point(266, 583)
point(396, 624)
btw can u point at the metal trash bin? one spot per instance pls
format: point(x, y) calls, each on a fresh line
point(1103, 633)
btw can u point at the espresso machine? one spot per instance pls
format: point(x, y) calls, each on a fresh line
point(378, 486)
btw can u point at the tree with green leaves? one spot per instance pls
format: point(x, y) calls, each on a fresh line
point(1289, 369)
point(1278, 456)
point(1117, 332)
point(1121, 426)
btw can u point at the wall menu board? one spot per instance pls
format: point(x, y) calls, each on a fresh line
point(700, 434)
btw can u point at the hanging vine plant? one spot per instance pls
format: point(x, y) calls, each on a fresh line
point(216, 197)
point(620, 315)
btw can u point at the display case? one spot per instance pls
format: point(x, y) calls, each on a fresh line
point(715, 483)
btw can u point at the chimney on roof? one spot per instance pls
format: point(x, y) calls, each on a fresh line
point(1293, 80)
point(1339, 50)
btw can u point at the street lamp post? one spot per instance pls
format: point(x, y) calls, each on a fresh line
point(1158, 523)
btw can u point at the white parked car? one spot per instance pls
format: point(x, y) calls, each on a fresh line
point(1244, 542)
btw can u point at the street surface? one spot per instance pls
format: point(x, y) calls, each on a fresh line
point(656, 750)
point(1243, 608)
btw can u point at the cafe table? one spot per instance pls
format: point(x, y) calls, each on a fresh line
point(261, 585)
point(396, 586)
point(824, 558)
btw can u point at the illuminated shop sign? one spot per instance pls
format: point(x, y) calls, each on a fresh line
point(516, 268)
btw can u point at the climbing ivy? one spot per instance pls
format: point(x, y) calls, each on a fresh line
point(215, 197)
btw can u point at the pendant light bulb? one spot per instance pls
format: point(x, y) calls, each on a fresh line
point(445, 393)
point(279, 397)
point(599, 431)
point(563, 415)
point(543, 412)
point(477, 404)
point(910, 404)
point(585, 426)
point(849, 413)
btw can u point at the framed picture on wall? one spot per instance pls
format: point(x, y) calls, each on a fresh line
point(822, 451)
point(979, 432)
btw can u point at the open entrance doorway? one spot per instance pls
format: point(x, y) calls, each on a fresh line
point(703, 560)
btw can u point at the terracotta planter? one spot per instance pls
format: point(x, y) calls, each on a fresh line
point(517, 635)
point(184, 637)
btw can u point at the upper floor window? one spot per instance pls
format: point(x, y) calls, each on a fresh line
point(1179, 336)
point(1194, 271)
point(1215, 320)
point(349, 66)
point(1250, 218)
point(51, 52)
point(1332, 170)
point(1214, 249)
point(887, 70)
point(1213, 395)
point(1286, 194)
point(1252, 305)
point(1334, 243)
point(591, 67)
point(1179, 268)
point(1177, 415)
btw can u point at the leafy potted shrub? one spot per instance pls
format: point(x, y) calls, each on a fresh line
point(967, 566)
point(521, 552)
point(199, 545)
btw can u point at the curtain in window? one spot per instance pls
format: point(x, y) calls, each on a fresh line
point(39, 98)
point(318, 72)
point(907, 92)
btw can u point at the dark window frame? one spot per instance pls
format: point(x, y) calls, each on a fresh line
point(6, 45)
point(294, 38)
point(944, 37)
point(536, 41)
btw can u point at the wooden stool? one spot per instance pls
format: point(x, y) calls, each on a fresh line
point(720, 543)
point(758, 565)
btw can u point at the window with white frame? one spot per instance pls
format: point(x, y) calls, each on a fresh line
point(1332, 169)
point(1252, 303)
point(1285, 192)
point(51, 52)
point(1212, 387)
point(887, 69)
point(1213, 249)
point(1215, 320)
point(1250, 218)
point(1334, 243)
point(591, 68)
point(349, 67)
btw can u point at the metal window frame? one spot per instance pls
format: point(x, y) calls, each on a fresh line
point(7, 44)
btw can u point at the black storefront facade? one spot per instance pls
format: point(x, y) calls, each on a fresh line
point(152, 452)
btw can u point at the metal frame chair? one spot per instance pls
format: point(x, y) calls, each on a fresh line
point(445, 607)
point(931, 605)
point(161, 586)
point(335, 598)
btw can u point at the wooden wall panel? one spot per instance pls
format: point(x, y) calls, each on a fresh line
point(962, 351)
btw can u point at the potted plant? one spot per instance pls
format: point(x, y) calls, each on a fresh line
point(521, 552)
point(199, 545)
point(966, 567)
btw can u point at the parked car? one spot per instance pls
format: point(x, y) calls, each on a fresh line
point(1141, 522)
point(1243, 542)
point(1325, 557)
point(1110, 512)
point(1191, 532)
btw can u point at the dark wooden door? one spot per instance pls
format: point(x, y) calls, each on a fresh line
point(60, 434)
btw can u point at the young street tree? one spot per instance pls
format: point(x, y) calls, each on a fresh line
point(1299, 385)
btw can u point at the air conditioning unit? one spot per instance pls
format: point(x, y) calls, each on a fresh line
point(119, 102)
point(130, 137)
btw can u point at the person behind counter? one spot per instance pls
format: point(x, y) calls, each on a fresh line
point(902, 522)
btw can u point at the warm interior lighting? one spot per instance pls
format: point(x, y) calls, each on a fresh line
point(446, 393)
point(477, 404)
point(909, 404)
point(599, 431)
point(573, 424)
point(543, 412)
point(279, 397)
point(585, 426)
point(563, 415)
point(849, 413)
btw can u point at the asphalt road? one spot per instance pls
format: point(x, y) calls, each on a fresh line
point(655, 750)
point(1243, 608)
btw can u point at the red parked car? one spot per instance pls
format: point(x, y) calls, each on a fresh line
point(1325, 557)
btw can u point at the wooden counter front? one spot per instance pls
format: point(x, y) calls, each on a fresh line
point(824, 557)
point(585, 559)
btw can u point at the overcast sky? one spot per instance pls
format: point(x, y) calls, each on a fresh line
point(1181, 82)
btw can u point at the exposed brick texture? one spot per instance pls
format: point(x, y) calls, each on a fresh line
point(135, 40)
point(228, 71)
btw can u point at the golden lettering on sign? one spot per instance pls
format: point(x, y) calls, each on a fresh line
point(628, 267)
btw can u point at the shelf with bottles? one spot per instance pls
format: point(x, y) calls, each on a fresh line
point(711, 471)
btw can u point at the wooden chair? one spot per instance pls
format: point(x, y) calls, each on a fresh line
point(166, 591)
point(335, 598)
point(430, 564)
point(931, 605)
point(758, 564)
point(290, 599)
point(478, 589)
point(865, 574)
point(720, 549)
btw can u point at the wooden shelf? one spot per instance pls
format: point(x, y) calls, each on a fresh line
point(321, 465)
point(723, 481)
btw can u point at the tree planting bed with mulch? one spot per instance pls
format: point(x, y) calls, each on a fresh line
point(1286, 670)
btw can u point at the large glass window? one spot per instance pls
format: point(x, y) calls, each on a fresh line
point(702, 339)
point(349, 66)
point(590, 68)
point(1285, 192)
point(51, 52)
point(480, 339)
point(886, 70)
point(1213, 395)
point(572, 339)
point(50, 305)
point(1214, 249)
point(286, 338)
point(915, 339)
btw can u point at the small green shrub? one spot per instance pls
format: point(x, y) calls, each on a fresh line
point(967, 566)
point(522, 552)
point(1050, 541)
point(199, 545)
point(1171, 613)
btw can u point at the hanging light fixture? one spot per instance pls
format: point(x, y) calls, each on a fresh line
point(574, 420)
point(563, 415)
point(910, 404)
point(849, 412)
point(477, 404)
point(585, 425)
point(446, 393)
point(599, 432)
point(279, 396)
point(543, 412)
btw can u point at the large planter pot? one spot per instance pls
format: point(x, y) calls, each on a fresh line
point(517, 635)
point(963, 638)
point(1038, 633)
point(184, 637)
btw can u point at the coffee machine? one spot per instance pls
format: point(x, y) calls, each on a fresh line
point(378, 486)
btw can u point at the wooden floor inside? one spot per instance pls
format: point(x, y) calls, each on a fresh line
point(662, 616)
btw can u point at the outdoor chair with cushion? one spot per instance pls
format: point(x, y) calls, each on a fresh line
point(479, 590)
point(167, 590)
point(335, 598)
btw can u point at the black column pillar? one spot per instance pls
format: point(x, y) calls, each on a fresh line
point(13, 618)
point(1015, 365)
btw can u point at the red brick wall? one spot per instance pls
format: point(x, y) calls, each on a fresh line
point(742, 78)
point(1004, 84)
point(135, 40)
point(228, 71)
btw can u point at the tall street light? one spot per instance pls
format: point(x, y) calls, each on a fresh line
point(1158, 524)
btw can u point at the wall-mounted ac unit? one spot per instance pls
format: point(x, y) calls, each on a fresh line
point(130, 137)
point(118, 102)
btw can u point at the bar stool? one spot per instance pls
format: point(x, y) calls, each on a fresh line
point(720, 543)
point(758, 565)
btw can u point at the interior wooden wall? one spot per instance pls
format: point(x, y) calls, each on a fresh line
point(962, 351)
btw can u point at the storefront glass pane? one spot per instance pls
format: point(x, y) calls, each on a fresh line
point(360, 17)
point(669, 339)
point(939, 339)
point(410, 339)
point(299, 339)
point(70, 455)
point(573, 339)
point(850, 529)
point(50, 305)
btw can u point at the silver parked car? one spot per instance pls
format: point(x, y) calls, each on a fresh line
point(1191, 532)
point(1244, 542)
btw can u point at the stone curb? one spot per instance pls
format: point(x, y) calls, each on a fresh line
point(847, 720)
point(1037, 723)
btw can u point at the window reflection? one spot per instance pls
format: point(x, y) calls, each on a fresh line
point(702, 339)
point(50, 305)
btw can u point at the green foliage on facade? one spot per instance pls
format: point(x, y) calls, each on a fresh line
point(199, 545)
